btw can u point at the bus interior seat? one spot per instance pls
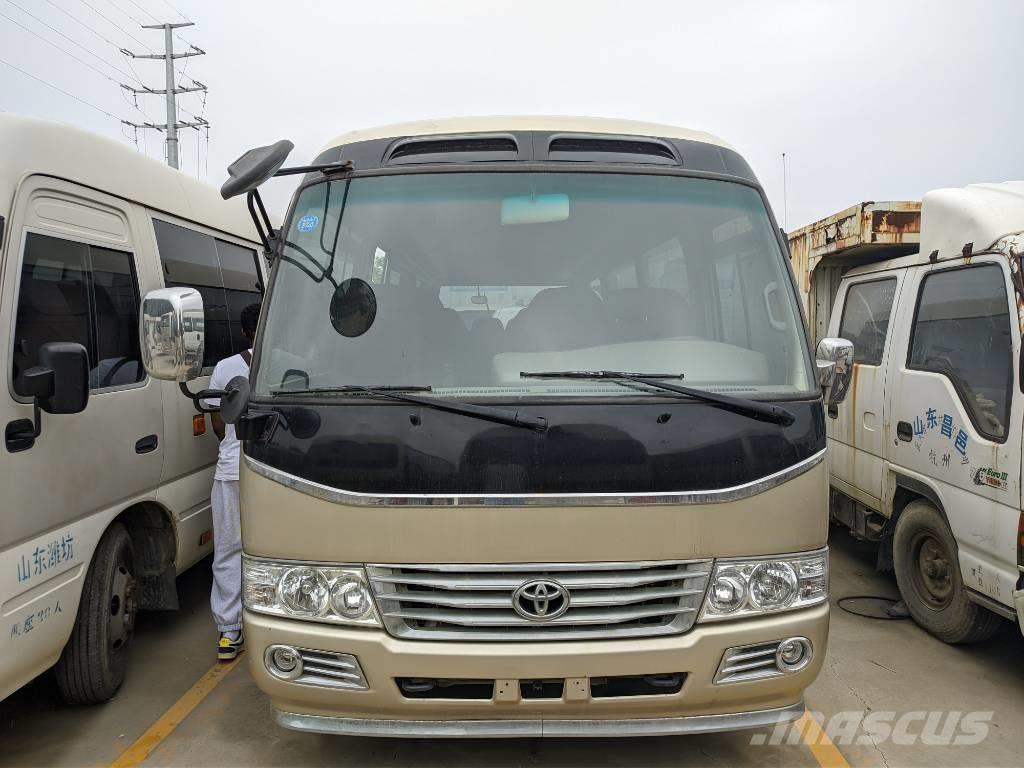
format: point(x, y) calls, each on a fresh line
point(638, 314)
point(557, 319)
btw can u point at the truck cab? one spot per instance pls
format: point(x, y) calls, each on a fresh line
point(925, 452)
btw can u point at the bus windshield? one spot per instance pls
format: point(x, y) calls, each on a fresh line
point(479, 276)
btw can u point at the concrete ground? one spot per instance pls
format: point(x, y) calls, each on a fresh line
point(890, 669)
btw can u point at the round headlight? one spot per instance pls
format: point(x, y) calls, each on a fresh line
point(728, 592)
point(773, 585)
point(350, 599)
point(303, 591)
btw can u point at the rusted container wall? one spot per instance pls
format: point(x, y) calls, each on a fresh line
point(822, 252)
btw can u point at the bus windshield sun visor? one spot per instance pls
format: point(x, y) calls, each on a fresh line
point(751, 408)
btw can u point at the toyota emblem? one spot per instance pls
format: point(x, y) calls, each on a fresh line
point(540, 600)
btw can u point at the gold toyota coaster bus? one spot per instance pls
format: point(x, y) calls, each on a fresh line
point(533, 440)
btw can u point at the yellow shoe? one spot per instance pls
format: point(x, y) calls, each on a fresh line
point(227, 649)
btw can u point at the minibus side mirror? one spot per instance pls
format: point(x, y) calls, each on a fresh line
point(171, 334)
point(58, 384)
point(835, 368)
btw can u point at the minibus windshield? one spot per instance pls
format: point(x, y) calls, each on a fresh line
point(465, 280)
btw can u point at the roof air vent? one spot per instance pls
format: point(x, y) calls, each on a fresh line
point(454, 149)
point(607, 149)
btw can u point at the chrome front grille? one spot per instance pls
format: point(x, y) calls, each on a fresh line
point(475, 602)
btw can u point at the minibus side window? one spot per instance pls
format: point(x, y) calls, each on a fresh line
point(962, 330)
point(224, 273)
point(82, 293)
point(242, 285)
point(866, 318)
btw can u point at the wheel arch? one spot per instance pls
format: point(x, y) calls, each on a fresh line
point(154, 537)
point(906, 489)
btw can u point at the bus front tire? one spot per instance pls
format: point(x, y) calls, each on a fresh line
point(928, 574)
point(93, 663)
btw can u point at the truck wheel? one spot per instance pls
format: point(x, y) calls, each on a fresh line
point(92, 666)
point(928, 574)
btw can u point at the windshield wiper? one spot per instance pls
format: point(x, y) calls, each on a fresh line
point(751, 408)
point(485, 412)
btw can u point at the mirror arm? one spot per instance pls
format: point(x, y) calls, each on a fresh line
point(262, 221)
point(326, 169)
point(198, 397)
point(37, 424)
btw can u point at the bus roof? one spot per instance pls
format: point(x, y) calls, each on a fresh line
point(511, 123)
point(29, 146)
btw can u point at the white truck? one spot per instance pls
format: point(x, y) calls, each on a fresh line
point(925, 452)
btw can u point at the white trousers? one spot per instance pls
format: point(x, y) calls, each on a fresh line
point(226, 595)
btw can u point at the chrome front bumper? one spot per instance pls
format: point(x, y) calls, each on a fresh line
point(501, 729)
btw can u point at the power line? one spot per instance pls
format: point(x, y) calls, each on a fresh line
point(69, 39)
point(59, 90)
point(77, 20)
point(110, 21)
point(83, 62)
point(124, 13)
point(154, 18)
point(173, 8)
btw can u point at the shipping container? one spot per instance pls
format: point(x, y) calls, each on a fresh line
point(822, 252)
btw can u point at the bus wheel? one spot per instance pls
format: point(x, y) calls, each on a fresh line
point(928, 574)
point(92, 666)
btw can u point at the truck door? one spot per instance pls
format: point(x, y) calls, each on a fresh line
point(70, 274)
point(958, 412)
point(856, 427)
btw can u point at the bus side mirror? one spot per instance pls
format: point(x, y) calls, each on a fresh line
point(58, 384)
point(171, 334)
point(835, 368)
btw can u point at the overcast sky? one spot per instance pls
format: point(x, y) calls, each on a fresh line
point(869, 100)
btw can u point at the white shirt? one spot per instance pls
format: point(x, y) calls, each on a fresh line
point(228, 454)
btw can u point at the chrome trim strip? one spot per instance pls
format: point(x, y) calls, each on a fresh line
point(500, 729)
point(340, 496)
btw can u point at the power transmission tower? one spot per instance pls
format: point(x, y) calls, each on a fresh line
point(169, 92)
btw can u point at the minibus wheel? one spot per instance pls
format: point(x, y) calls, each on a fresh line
point(928, 574)
point(92, 665)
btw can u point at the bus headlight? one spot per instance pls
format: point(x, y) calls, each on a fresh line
point(752, 586)
point(315, 592)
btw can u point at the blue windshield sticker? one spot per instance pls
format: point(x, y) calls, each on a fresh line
point(309, 223)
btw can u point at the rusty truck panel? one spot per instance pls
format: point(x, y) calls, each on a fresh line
point(822, 252)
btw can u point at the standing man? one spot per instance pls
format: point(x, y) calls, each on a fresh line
point(226, 596)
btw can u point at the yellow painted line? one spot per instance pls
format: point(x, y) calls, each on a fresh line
point(172, 718)
point(825, 752)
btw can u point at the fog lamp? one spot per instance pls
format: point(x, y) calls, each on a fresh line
point(283, 661)
point(793, 654)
